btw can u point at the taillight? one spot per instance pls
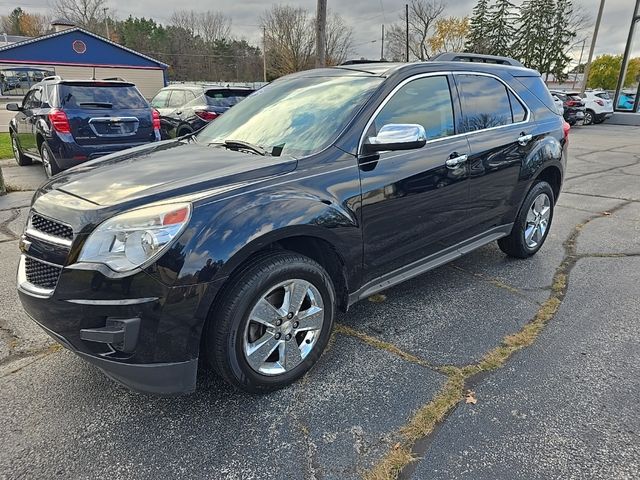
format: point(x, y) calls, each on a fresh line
point(59, 121)
point(565, 128)
point(206, 116)
point(572, 103)
point(600, 102)
point(155, 115)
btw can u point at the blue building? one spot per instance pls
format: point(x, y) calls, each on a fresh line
point(74, 53)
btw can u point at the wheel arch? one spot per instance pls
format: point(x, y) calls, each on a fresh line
point(553, 176)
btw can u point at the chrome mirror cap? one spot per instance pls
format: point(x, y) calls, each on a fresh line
point(398, 136)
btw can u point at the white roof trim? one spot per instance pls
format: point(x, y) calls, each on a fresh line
point(79, 29)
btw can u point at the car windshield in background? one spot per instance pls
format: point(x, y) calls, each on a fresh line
point(225, 98)
point(300, 116)
point(101, 96)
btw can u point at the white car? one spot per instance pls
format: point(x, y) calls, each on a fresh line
point(599, 106)
point(559, 104)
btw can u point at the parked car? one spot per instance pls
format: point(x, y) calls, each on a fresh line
point(63, 123)
point(598, 106)
point(239, 243)
point(185, 109)
point(559, 104)
point(574, 108)
point(626, 100)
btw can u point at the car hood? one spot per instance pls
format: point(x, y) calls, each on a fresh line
point(164, 170)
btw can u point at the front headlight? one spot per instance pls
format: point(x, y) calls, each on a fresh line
point(131, 239)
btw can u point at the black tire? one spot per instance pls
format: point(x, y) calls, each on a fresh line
point(515, 244)
point(229, 326)
point(589, 117)
point(21, 158)
point(49, 161)
point(184, 131)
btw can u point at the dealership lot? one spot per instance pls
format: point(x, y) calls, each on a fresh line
point(563, 406)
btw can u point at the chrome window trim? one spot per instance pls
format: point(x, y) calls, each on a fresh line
point(437, 74)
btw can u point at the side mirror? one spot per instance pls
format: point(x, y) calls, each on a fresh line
point(397, 136)
point(13, 107)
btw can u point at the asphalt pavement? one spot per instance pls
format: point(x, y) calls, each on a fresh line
point(430, 369)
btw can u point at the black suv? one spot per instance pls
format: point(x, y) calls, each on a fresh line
point(573, 105)
point(185, 109)
point(66, 122)
point(239, 243)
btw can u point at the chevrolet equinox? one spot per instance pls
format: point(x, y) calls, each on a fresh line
point(237, 245)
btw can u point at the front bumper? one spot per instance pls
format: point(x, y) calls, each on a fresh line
point(160, 378)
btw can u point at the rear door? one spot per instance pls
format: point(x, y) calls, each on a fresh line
point(413, 204)
point(102, 113)
point(500, 136)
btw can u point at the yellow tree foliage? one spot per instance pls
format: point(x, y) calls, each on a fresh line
point(450, 35)
point(605, 69)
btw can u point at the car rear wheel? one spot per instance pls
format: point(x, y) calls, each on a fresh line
point(272, 323)
point(48, 160)
point(589, 117)
point(21, 158)
point(532, 225)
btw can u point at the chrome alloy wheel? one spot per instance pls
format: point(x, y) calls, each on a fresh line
point(16, 150)
point(283, 327)
point(46, 162)
point(537, 220)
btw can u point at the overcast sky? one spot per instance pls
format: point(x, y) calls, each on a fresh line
point(366, 17)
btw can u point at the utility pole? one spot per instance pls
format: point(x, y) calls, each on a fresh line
point(587, 67)
point(321, 29)
point(406, 13)
point(575, 78)
point(264, 53)
point(106, 21)
point(382, 44)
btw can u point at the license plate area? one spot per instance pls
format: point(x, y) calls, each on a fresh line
point(114, 126)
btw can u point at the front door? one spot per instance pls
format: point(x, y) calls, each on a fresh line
point(26, 121)
point(412, 202)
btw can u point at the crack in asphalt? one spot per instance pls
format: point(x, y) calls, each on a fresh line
point(4, 226)
point(38, 353)
point(400, 462)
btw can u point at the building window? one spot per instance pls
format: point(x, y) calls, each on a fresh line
point(17, 81)
point(79, 46)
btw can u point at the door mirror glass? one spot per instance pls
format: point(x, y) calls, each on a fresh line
point(397, 136)
point(13, 107)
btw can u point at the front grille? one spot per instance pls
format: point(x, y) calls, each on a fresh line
point(51, 227)
point(41, 274)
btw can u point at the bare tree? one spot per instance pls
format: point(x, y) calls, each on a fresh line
point(214, 26)
point(289, 39)
point(89, 14)
point(422, 17)
point(338, 40)
point(185, 19)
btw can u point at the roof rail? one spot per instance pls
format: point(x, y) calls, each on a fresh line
point(115, 79)
point(362, 60)
point(52, 77)
point(475, 57)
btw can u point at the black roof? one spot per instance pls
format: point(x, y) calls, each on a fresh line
point(201, 87)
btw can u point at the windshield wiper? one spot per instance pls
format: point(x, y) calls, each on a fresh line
point(237, 144)
point(97, 104)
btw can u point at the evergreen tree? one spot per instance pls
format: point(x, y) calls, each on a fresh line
point(501, 27)
point(478, 39)
point(561, 38)
point(532, 38)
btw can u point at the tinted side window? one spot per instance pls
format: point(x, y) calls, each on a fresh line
point(32, 100)
point(517, 109)
point(424, 101)
point(536, 86)
point(485, 102)
point(160, 100)
point(176, 99)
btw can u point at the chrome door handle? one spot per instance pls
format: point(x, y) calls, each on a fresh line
point(456, 161)
point(524, 139)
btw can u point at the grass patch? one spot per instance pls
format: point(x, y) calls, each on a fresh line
point(5, 146)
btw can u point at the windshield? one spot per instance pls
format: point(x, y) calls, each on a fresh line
point(301, 115)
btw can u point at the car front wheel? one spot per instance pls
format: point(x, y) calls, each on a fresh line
point(532, 225)
point(588, 117)
point(272, 323)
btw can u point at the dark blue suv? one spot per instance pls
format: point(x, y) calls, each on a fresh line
point(65, 122)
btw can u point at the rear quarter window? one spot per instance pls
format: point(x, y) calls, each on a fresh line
point(99, 96)
point(536, 86)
